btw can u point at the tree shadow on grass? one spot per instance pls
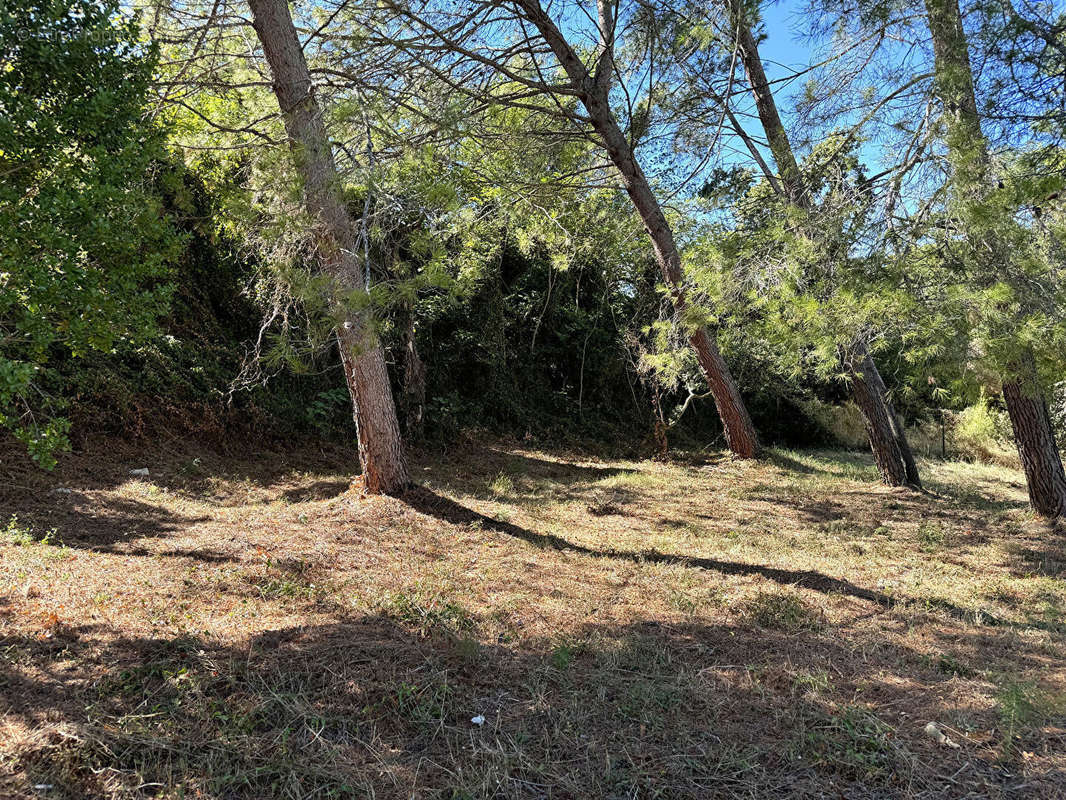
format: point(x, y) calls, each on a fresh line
point(444, 508)
point(367, 707)
point(319, 490)
point(89, 524)
point(469, 470)
point(971, 498)
point(182, 468)
point(1043, 554)
point(786, 462)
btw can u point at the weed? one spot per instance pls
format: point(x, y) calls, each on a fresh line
point(502, 485)
point(284, 588)
point(810, 683)
point(428, 612)
point(853, 742)
point(947, 664)
point(21, 536)
point(781, 611)
point(691, 603)
point(562, 655)
point(931, 536)
point(648, 700)
point(425, 703)
point(837, 527)
point(1022, 706)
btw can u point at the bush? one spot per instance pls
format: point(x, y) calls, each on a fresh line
point(981, 433)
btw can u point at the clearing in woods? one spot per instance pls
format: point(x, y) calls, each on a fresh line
point(699, 628)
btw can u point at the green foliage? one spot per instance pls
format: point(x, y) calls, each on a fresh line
point(981, 433)
point(1022, 706)
point(17, 534)
point(429, 612)
point(782, 611)
point(136, 287)
point(843, 423)
point(84, 249)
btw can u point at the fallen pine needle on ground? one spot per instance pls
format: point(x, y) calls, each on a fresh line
point(526, 624)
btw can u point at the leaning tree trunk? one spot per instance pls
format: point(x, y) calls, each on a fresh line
point(968, 150)
point(380, 447)
point(913, 478)
point(739, 430)
point(593, 91)
point(1035, 438)
point(766, 106)
point(867, 392)
point(890, 445)
point(870, 376)
point(888, 441)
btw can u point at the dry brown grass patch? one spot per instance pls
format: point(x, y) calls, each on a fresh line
point(704, 628)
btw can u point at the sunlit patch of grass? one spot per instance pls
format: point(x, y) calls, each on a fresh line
point(931, 536)
point(634, 479)
point(821, 465)
point(502, 485)
point(278, 587)
point(33, 550)
point(697, 601)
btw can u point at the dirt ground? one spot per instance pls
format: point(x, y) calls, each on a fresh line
point(525, 624)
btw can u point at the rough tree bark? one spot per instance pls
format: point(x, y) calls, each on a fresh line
point(1037, 448)
point(892, 452)
point(968, 150)
point(867, 393)
point(889, 444)
point(380, 447)
point(593, 92)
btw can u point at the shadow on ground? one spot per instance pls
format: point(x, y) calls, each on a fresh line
point(366, 707)
point(445, 509)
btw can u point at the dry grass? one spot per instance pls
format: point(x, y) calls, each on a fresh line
point(249, 629)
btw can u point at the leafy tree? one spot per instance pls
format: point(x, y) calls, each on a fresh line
point(84, 247)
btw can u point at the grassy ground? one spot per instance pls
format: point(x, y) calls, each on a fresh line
point(704, 628)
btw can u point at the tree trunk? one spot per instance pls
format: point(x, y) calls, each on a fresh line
point(879, 392)
point(736, 422)
point(766, 106)
point(967, 146)
point(739, 431)
point(913, 478)
point(871, 387)
point(1037, 449)
point(414, 382)
point(380, 447)
point(868, 391)
point(968, 150)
